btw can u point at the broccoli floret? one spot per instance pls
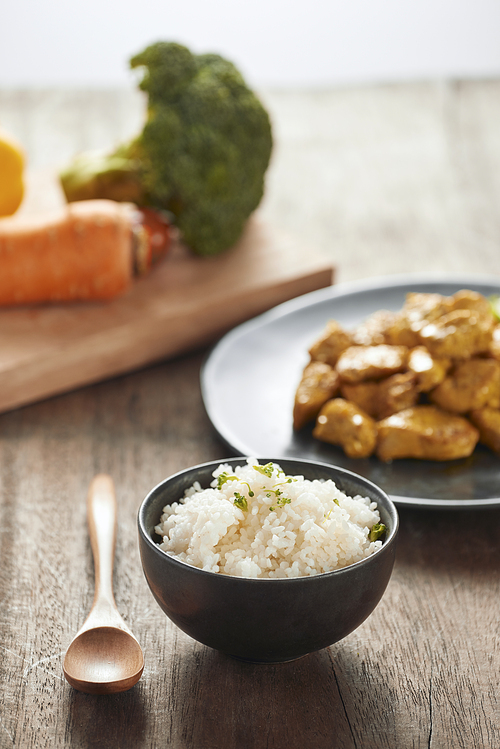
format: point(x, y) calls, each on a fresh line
point(202, 154)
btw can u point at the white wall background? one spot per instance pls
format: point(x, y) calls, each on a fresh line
point(276, 43)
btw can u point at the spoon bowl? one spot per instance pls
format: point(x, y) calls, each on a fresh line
point(104, 657)
point(103, 660)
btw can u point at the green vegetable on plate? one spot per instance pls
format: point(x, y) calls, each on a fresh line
point(495, 306)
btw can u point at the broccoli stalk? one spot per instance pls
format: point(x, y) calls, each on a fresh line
point(202, 154)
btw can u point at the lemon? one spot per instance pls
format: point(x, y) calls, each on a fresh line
point(11, 175)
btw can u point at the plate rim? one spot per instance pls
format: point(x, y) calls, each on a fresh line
point(336, 291)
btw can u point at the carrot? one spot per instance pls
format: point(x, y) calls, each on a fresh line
point(87, 250)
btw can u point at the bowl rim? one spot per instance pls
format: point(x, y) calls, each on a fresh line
point(388, 542)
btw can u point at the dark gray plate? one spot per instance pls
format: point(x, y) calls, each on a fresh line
point(249, 380)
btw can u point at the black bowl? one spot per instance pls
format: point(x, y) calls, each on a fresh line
point(265, 620)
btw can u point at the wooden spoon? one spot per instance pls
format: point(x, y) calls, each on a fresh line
point(104, 657)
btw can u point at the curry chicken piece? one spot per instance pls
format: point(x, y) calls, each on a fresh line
point(374, 330)
point(359, 363)
point(429, 371)
point(319, 383)
point(425, 432)
point(331, 344)
point(345, 424)
point(418, 310)
point(362, 394)
point(471, 385)
point(459, 334)
point(487, 421)
point(396, 393)
point(471, 300)
point(385, 397)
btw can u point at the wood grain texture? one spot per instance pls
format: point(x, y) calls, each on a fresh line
point(182, 303)
point(423, 672)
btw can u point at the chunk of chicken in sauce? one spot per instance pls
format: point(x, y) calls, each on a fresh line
point(344, 424)
point(359, 363)
point(471, 300)
point(374, 330)
point(460, 334)
point(418, 310)
point(471, 384)
point(331, 344)
point(385, 397)
point(429, 371)
point(425, 432)
point(319, 383)
point(362, 394)
point(487, 421)
point(396, 393)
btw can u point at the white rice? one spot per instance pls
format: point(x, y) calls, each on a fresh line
point(310, 528)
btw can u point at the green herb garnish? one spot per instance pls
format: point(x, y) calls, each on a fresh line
point(377, 531)
point(281, 500)
point(240, 501)
point(283, 483)
point(224, 477)
point(266, 470)
point(284, 501)
point(327, 516)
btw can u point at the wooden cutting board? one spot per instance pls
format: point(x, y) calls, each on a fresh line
point(185, 303)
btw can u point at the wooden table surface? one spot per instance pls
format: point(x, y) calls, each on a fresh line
point(384, 180)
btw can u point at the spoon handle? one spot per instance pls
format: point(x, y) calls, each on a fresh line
point(101, 518)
